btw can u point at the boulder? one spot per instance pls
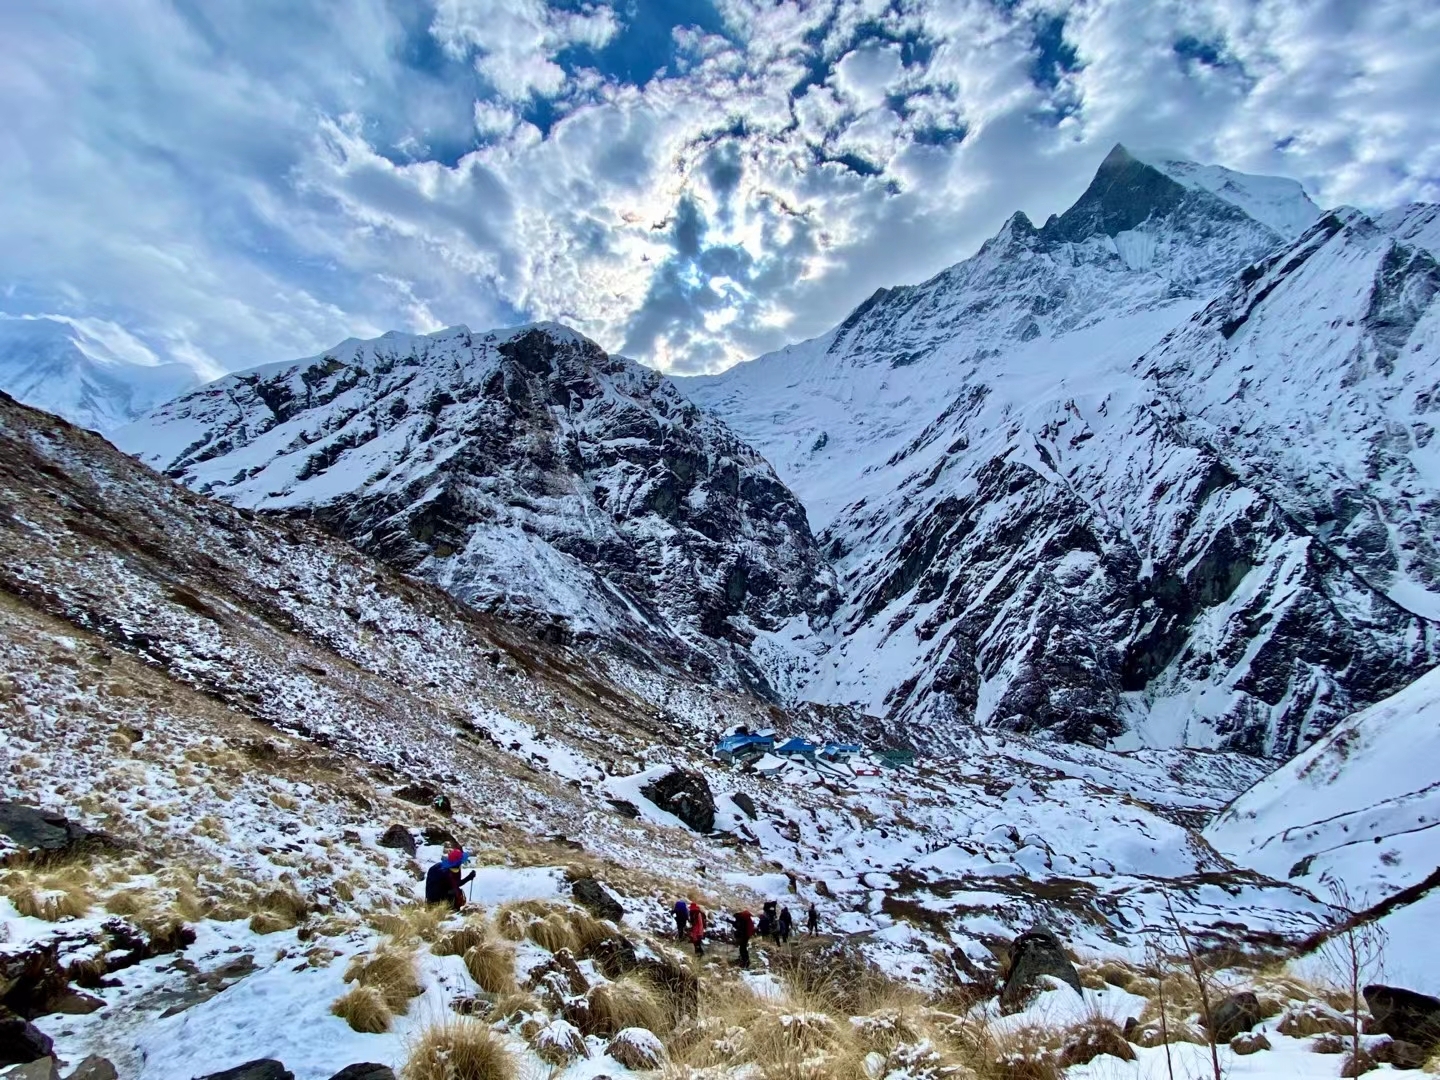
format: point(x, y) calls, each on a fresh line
point(1093, 1039)
point(1404, 1015)
point(595, 898)
point(21, 1041)
point(46, 1068)
point(1236, 1013)
point(559, 1043)
point(425, 795)
point(94, 1068)
point(625, 808)
point(637, 1048)
point(433, 835)
point(614, 956)
point(399, 838)
point(686, 794)
point(1399, 1054)
point(1249, 1042)
point(259, 1069)
point(1034, 953)
point(367, 1070)
point(45, 832)
point(745, 803)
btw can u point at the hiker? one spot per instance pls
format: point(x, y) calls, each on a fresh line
point(443, 883)
point(744, 931)
point(772, 921)
point(682, 919)
point(812, 919)
point(786, 923)
point(697, 928)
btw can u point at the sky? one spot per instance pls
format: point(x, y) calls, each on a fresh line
point(690, 183)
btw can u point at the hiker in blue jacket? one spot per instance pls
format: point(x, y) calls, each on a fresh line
point(682, 919)
point(443, 883)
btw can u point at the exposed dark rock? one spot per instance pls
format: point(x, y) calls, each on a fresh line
point(431, 835)
point(1093, 1039)
point(625, 808)
point(593, 896)
point(615, 956)
point(1249, 1042)
point(398, 837)
point(686, 794)
point(1399, 1054)
point(94, 1068)
point(22, 1041)
point(45, 832)
point(365, 1071)
point(1034, 953)
point(1404, 1015)
point(745, 803)
point(259, 1069)
point(1236, 1013)
point(423, 794)
point(46, 1068)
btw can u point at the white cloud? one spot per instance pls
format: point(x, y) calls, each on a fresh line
point(288, 174)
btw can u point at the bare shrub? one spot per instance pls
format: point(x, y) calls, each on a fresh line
point(390, 970)
point(364, 1008)
point(458, 1049)
point(630, 1001)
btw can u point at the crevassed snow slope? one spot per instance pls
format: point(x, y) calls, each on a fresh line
point(1028, 536)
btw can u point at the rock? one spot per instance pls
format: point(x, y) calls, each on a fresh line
point(1093, 1039)
point(1357, 1064)
point(562, 964)
point(45, 1068)
point(593, 896)
point(637, 1048)
point(94, 1068)
point(76, 1003)
point(1034, 953)
point(433, 835)
point(625, 808)
point(425, 795)
point(559, 1043)
point(259, 1069)
point(1236, 1013)
point(22, 1041)
point(685, 794)
point(365, 1071)
point(33, 981)
point(399, 838)
point(1249, 1042)
point(1313, 1018)
point(46, 832)
point(1404, 1015)
point(615, 955)
point(1399, 1054)
point(745, 803)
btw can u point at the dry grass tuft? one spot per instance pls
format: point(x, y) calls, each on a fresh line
point(461, 939)
point(884, 1030)
point(589, 931)
point(510, 1006)
point(412, 923)
point(552, 933)
point(364, 1008)
point(459, 1049)
point(126, 902)
point(390, 970)
point(492, 966)
point(58, 894)
point(630, 1001)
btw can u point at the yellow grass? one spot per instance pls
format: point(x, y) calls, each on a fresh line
point(459, 1049)
point(390, 970)
point(412, 923)
point(63, 893)
point(492, 966)
point(364, 1008)
point(459, 940)
point(630, 1001)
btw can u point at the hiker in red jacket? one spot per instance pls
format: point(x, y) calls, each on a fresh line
point(697, 928)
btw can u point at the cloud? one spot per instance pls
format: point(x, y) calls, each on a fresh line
point(242, 183)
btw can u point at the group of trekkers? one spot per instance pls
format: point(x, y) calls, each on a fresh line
point(776, 923)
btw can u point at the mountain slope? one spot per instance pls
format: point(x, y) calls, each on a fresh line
point(526, 472)
point(55, 365)
point(1036, 539)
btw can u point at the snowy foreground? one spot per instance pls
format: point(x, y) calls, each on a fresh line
point(247, 707)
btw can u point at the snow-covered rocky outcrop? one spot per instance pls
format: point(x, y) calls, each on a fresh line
point(56, 365)
point(525, 471)
point(1030, 532)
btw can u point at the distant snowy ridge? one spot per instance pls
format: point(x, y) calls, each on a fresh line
point(64, 366)
point(525, 471)
point(1029, 531)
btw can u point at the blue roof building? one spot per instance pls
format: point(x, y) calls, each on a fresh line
point(735, 747)
point(797, 745)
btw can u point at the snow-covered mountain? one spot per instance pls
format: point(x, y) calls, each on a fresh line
point(62, 367)
point(525, 471)
point(1029, 530)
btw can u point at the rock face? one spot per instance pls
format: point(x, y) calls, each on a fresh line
point(526, 472)
point(21, 1041)
point(593, 896)
point(32, 829)
point(1032, 954)
point(1049, 515)
point(685, 794)
point(1235, 1014)
point(1404, 1015)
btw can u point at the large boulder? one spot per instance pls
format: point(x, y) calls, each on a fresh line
point(1035, 953)
point(366, 1070)
point(1404, 1015)
point(95, 1068)
point(259, 1069)
point(399, 838)
point(21, 1041)
point(1236, 1013)
point(637, 1048)
point(745, 804)
point(685, 794)
point(595, 898)
point(44, 832)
